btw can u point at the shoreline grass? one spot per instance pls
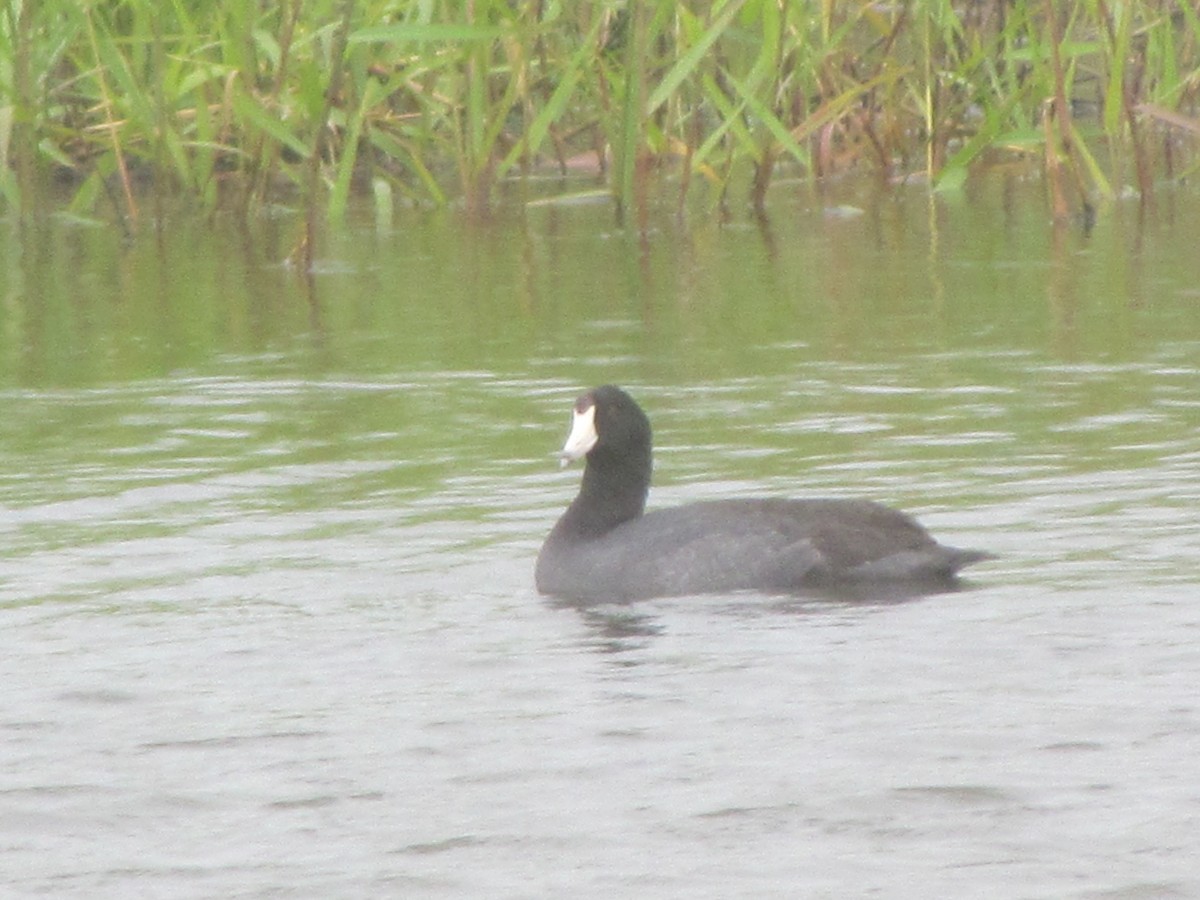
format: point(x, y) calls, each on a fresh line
point(242, 103)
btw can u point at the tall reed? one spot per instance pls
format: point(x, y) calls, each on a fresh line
point(246, 102)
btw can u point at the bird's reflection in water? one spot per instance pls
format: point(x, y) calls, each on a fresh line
point(621, 627)
point(615, 628)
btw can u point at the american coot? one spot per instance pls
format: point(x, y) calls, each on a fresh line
point(605, 548)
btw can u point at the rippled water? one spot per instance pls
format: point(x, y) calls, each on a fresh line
point(269, 626)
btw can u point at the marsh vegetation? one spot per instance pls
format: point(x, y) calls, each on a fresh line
point(246, 103)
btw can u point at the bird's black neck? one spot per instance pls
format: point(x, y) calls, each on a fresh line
point(613, 491)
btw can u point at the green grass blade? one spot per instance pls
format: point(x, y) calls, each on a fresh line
point(255, 117)
point(686, 65)
point(433, 33)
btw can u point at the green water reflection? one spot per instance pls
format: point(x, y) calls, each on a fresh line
point(694, 301)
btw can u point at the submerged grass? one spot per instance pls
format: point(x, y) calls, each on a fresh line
point(247, 102)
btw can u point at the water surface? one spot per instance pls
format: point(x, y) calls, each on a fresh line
point(266, 572)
